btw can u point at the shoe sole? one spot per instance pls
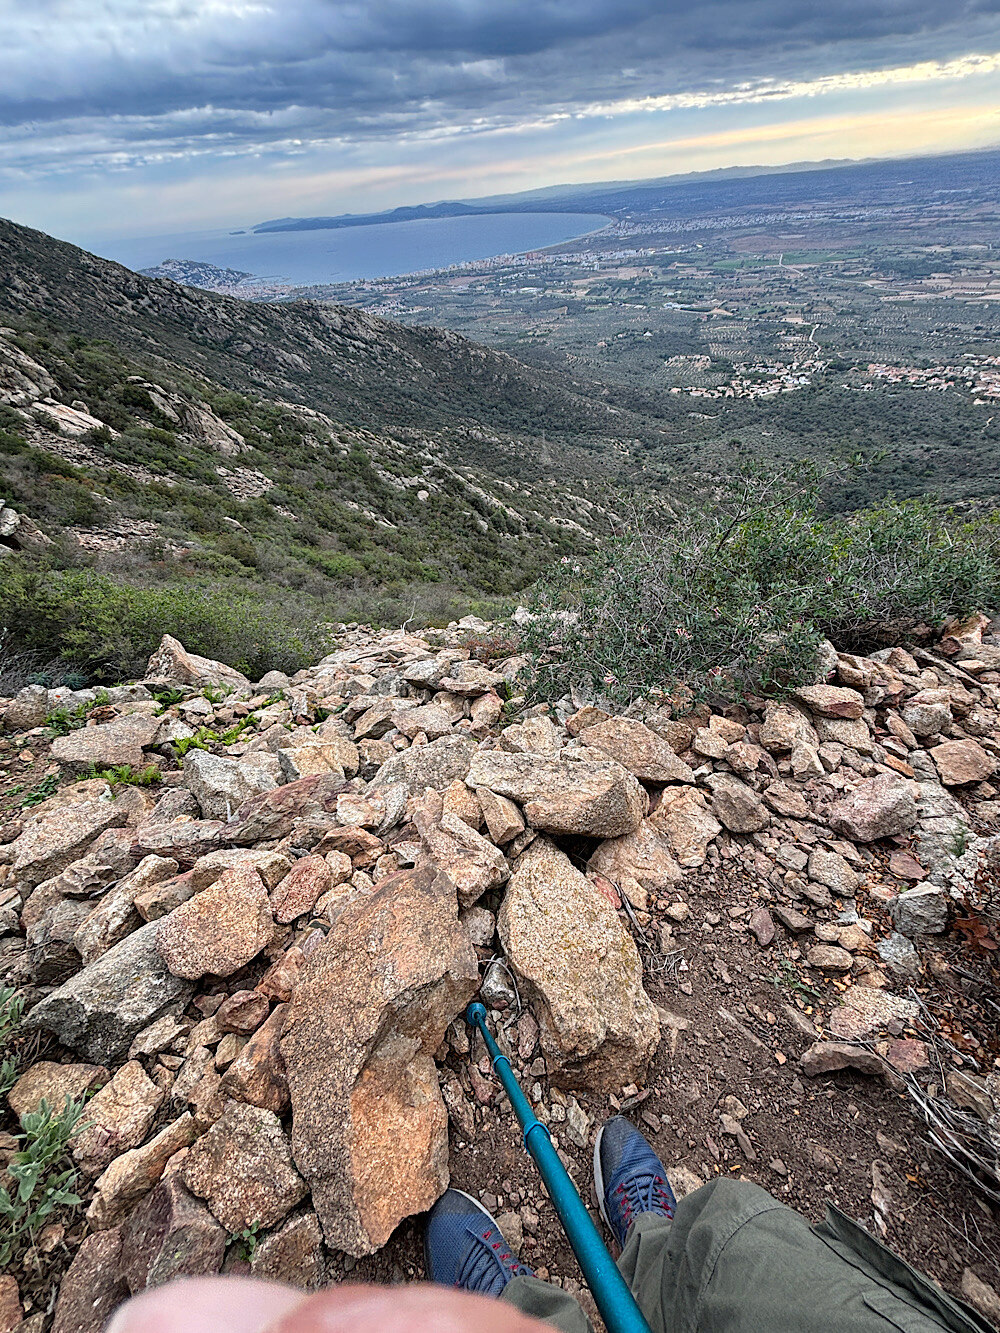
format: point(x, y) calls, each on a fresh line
point(476, 1204)
point(599, 1180)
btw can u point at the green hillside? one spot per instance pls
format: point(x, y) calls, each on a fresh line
point(317, 458)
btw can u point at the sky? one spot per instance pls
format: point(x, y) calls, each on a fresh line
point(136, 117)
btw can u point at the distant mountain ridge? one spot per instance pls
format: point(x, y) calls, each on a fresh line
point(548, 199)
point(721, 187)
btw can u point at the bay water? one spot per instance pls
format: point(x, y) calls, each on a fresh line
point(344, 254)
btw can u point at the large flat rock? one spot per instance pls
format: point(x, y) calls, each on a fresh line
point(568, 793)
point(580, 968)
point(369, 1127)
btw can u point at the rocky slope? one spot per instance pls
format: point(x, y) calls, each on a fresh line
point(768, 934)
point(354, 366)
point(318, 445)
point(121, 458)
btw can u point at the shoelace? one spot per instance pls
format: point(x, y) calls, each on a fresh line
point(489, 1266)
point(643, 1194)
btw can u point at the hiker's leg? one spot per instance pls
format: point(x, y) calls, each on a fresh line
point(643, 1263)
point(543, 1301)
point(734, 1260)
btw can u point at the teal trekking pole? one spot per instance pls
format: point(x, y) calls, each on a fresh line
point(611, 1295)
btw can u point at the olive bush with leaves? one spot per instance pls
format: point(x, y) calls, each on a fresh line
point(731, 591)
point(40, 1176)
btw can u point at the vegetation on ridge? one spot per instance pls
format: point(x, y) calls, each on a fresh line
point(735, 595)
point(109, 628)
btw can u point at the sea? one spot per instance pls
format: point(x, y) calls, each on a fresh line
point(345, 254)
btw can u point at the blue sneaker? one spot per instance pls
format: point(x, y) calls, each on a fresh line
point(629, 1176)
point(463, 1247)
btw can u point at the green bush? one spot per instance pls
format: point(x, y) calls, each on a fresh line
point(109, 629)
point(42, 1178)
point(734, 594)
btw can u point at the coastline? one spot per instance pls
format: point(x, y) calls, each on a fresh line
point(319, 291)
point(283, 265)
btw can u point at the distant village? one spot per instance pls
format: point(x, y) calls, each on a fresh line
point(758, 379)
point(978, 374)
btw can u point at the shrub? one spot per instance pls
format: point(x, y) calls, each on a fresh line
point(491, 647)
point(19, 668)
point(110, 629)
point(735, 594)
point(41, 1178)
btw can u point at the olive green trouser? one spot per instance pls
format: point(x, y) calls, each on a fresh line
point(734, 1260)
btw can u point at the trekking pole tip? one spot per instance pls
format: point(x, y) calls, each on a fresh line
point(475, 1014)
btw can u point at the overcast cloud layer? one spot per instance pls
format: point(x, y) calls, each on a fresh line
point(94, 89)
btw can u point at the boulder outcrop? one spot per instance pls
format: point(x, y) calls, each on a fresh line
point(578, 963)
point(367, 1016)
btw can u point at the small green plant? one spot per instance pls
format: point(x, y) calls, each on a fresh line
point(168, 697)
point(11, 1009)
point(201, 740)
point(245, 1242)
point(42, 1180)
point(61, 721)
point(231, 736)
point(786, 978)
point(124, 775)
point(960, 840)
point(41, 792)
point(275, 697)
point(205, 736)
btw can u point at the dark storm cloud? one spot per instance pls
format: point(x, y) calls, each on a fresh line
point(123, 81)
